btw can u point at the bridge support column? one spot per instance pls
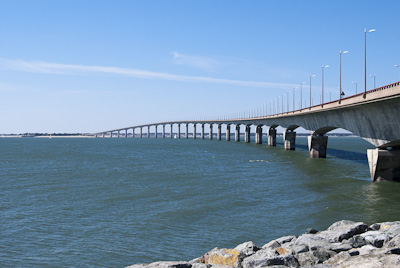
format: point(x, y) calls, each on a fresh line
point(384, 164)
point(194, 131)
point(170, 132)
point(219, 132)
point(179, 131)
point(148, 132)
point(210, 136)
point(237, 133)
point(289, 140)
point(141, 132)
point(186, 131)
point(103, 135)
point(133, 132)
point(259, 135)
point(228, 133)
point(272, 137)
point(163, 131)
point(317, 146)
point(155, 130)
point(126, 133)
point(202, 131)
point(247, 132)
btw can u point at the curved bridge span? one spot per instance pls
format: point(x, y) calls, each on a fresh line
point(374, 116)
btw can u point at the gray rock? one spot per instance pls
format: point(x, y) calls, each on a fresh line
point(201, 265)
point(375, 238)
point(259, 259)
point(358, 241)
point(311, 231)
point(312, 241)
point(271, 245)
point(341, 230)
point(394, 242)
point(163, 264)
point(285, 239)
point(139, 265)
point(248, 248)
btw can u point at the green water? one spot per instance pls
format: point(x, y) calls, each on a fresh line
point(116, 202)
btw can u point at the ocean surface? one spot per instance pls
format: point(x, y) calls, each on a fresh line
point(71, 202)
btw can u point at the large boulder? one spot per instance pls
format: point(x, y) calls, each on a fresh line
point(163, 264)
point(269, 257)
point(222, 256)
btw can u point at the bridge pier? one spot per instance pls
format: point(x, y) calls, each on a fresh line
point(317, 146)
point(170, 131)
point(141, 132)
point(384, 164)
point(163, 131)
point(272, 137)
point(202, 131)
point(258, 135)
point(247, 132)
point(186, 131)
point(133, 132)
point(228, 133)
point(179, 131)
point(194, 131)
point(219, 132)
point(155, 130)
point(148, 132)
point(289, 140)
point(126, 133)
point(237, 133)
point(210, 136)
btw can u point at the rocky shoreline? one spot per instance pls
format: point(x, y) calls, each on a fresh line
point(345, 244)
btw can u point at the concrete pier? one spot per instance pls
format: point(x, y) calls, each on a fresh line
point(272, 137)
point(155, 130)
point(210, 136)
point(126, 133)
point(194, 131)
point(179, 131)
point(228, 132)
point(219, 132)
point(384, 164)
point(133, 132)
point(317, 146)
point(202, 131)
point(289, 140)
point(148, 132)
point(170, 131)
point(163, 131)
point(141, 132)
point(186, 130)
point(247, 132)
point(258, 135)
point(237, 133)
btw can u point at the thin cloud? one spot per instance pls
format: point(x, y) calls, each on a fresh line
point(203, 63)
point(72, 69)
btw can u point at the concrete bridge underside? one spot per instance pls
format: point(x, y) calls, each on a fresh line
point(372, 116)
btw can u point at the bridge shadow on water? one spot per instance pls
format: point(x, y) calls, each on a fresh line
point(336, 153)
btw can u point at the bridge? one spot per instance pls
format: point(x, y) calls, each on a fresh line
point(372, 115)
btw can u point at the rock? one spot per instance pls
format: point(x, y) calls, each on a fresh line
point(163, 264)
point(358, 241)
point(343, 230)
point(375, 238)
point(258, 259)
point(222, 256)
point(394, 242)
point(263, 261)
point(201, 265)
point(247, 248)
point(313, 241)
point(271, 245)
point(283, 251)
point(393, 251)
point(285, 239)
point(311, 231)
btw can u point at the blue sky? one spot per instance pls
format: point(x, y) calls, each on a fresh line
point(88, 66)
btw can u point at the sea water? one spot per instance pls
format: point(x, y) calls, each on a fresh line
point(115, 202)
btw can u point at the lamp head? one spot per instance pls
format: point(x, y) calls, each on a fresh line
point(372, 30)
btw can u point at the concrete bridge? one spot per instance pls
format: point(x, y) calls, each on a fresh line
point(373, 115)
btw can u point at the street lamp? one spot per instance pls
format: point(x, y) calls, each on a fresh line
point(398, 67)
point(356, 85)
point(322, 97)
point(301, 95)
point(311, 76)
point(365, 59)
point(374, 76)
point(293, 99)
point(340, 76)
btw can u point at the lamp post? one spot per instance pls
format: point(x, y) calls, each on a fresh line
point(374, 76)
point(322, 96)
point(365, 59)
point(287, 102)
point(311, 76)
point(399, 69)
point(301, 95)
point(294, 108)
point(340, 76)
point(356, 85)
